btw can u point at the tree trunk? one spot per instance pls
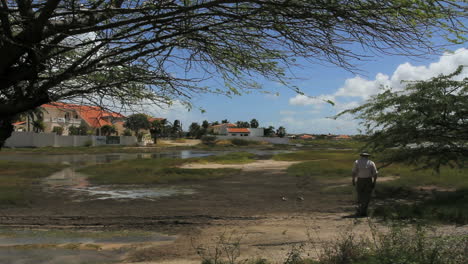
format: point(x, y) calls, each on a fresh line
point(155, 140)
point(6, 128)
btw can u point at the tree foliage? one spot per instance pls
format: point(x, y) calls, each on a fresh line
point(254, 123)
point(281, 132)
point(157, 129)
point(194, 130)
point(57, 130)
point(176, 129)
point(269, 131)
point(126, 51)
point(242, 124)
point(137, 122)
point(426, 124)
point(108, 130)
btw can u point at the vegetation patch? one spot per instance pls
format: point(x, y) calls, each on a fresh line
point(401, 244)
point(230, 158)
point(18, 178)
point(328, 143)
point(343, 156)
point(445, 207)
point(150, 171)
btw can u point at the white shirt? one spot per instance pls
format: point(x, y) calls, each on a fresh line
point(364, 168)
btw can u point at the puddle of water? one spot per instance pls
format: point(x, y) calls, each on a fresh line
point(49, 246)
point(35, 237)
point(58, 256)
point(89, 159)
point(113, 192)
point(70, 180)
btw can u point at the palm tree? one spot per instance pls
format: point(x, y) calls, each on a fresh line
point(156, 129)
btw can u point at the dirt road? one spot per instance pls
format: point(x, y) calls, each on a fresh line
point(266, 209)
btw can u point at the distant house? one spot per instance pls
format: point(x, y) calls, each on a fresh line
point(20, 126)
point(342, 137)
point(221, 129)
point(65, 115)
point(305, 136)
point(242, 132)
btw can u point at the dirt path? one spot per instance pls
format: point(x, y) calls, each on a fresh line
point(260, 206)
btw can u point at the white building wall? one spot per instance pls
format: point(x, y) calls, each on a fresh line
point(272, 140)
point(31, 139)
point(256, 132)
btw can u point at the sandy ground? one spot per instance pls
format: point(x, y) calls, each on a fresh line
point(187, 142)
point(248, 208)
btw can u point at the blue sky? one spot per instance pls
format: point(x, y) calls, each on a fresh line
point(309, 114)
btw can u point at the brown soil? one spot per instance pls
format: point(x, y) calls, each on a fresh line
point(261, 204)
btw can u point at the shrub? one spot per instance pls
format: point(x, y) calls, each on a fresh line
point(127, 132)
point(58, 130)
point(208, 140)
point(88, 143)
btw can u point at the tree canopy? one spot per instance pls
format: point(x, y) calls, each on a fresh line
point(254, 123)
point(137, 122)
point(127, 51)
point(426, 124)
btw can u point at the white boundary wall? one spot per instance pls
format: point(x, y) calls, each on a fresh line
point(273, 140)
point(31, 139)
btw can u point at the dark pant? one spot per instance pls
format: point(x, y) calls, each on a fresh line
point(364, 190)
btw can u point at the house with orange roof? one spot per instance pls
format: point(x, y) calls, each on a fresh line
point(342, 137)
point(64, 115)
point(306, 136)
point(221, 129)
point(234, 131)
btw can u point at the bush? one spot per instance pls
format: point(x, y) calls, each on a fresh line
point(58, 130)
point(127, 132)
point(401, 244)
point(208, 140)
point(88, 143)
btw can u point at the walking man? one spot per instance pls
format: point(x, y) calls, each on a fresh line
point(366, 173)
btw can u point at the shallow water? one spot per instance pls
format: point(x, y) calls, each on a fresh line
point(77, 185)
point(89, 159)
point(35, 237)
point(54, 253)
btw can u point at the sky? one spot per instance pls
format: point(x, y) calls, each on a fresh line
point(309, 113)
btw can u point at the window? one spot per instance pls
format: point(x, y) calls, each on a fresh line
point(67, 115)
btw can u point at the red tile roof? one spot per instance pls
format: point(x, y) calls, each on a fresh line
point(93, 115)
point(19, 123)
point(306, 137)
point(238, 130)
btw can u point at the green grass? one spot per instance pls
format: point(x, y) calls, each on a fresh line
point(335, 155)
point(328, 143)
point(399, 244)
point(444, 207)
point(18, 178)
point(448, 207)
point(230, 158)
point(152, 171)
point(411, 177)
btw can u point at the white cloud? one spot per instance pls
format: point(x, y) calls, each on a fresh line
point(363, 88)
point(316, 101)
point(320, 125)
point(356, 89)
point(360, 87)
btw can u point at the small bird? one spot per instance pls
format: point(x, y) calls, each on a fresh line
point(284, 198)
point(300, 198)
